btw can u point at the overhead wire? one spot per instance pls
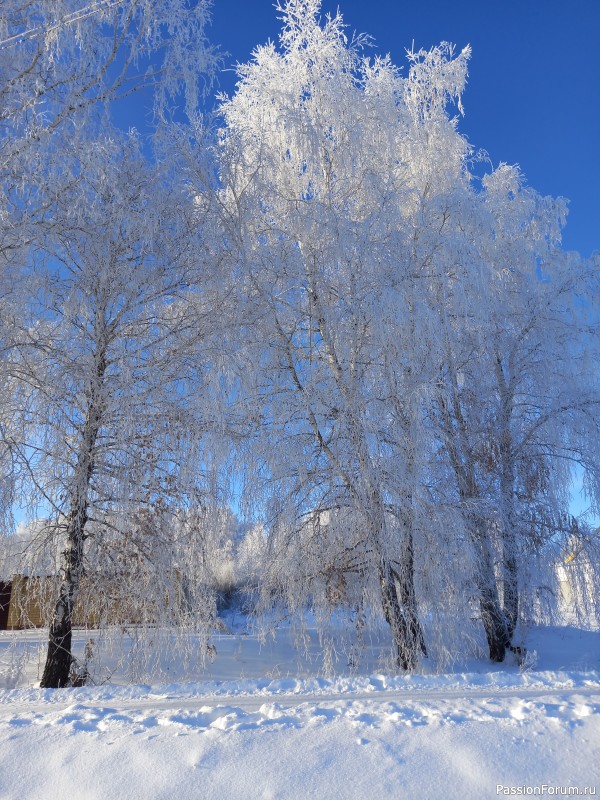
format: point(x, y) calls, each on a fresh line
point(69, 19)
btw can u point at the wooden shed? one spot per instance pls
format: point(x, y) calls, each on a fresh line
point(30, 567)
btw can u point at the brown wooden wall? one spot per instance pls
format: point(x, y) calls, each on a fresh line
point(31, 601)
point(32, 604)
point(5, 592)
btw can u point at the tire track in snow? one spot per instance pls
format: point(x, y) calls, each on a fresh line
point(202, 713)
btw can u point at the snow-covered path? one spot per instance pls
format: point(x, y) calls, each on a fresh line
point(372, 738)
point(260, 724)
point(149, 700)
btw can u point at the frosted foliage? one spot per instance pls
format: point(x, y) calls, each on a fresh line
point(419, 338)
point(252, 556)
point(62, 64)
point(108, 298)
point(61, 56)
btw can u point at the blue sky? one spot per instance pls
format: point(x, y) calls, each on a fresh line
point(533, 96)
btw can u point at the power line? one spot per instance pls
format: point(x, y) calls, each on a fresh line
point(69, 19)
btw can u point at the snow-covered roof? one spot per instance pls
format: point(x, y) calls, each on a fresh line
point(33, 549)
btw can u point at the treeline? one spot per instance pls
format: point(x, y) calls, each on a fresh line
point(305, 305)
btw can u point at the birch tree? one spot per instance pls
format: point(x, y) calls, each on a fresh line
point(510, 401)
point(312, 188)
point(109, 388)
point(547, 400)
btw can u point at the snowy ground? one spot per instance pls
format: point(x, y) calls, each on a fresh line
point(459, 735)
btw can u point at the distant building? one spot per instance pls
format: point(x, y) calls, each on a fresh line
point(29, 568)
point(30, 563)
point(578, 574)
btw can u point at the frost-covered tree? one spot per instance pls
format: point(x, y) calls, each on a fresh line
point(314, 188)
point(510, 403)
point(105, 268)
point(111, 385)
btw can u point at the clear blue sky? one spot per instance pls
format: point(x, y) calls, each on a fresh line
point(533, 96)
